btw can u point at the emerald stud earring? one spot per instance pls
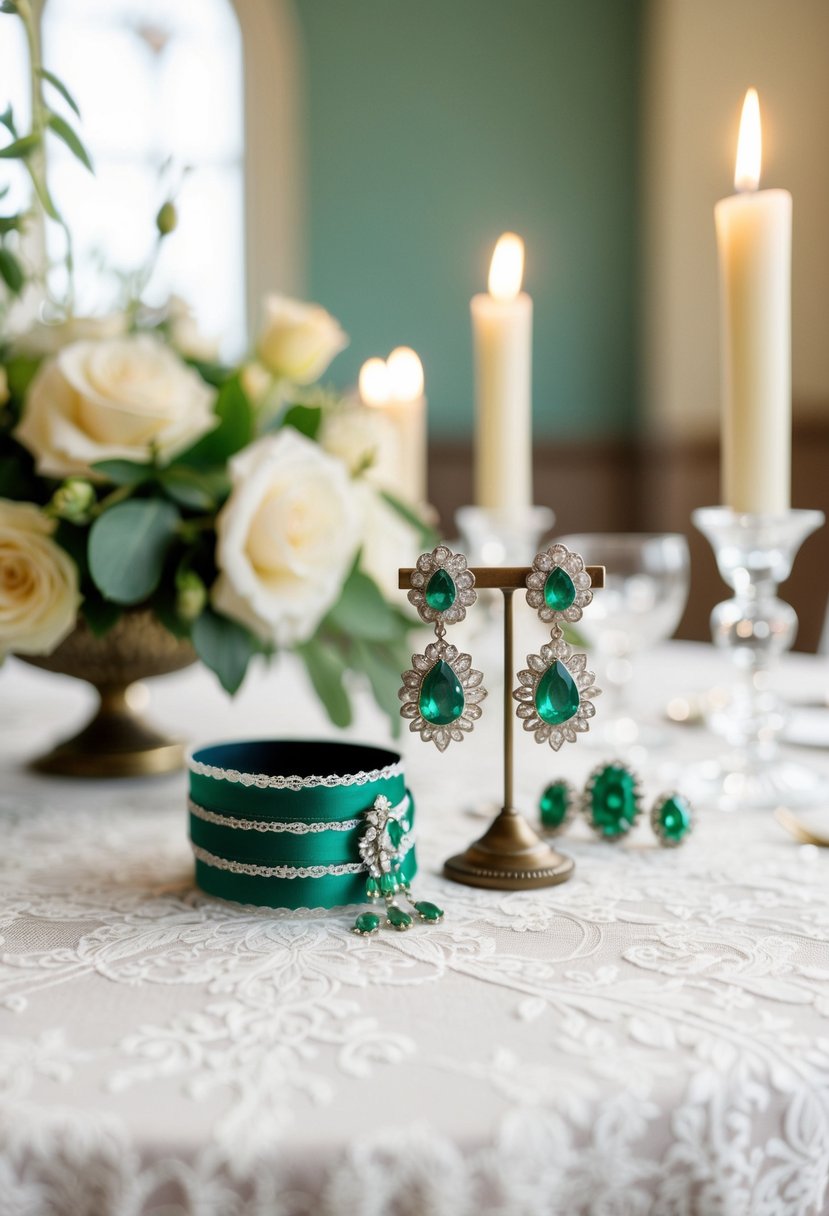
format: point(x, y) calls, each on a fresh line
point(557, 806)
point(672, 819)
point(442, 692)
point(612, 800)
point(555, 690)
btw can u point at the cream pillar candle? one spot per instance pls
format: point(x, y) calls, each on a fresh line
point(395, 387)
point(502, 344)
point(754, 240)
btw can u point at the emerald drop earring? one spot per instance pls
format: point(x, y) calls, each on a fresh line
point(441, 694)
point(555, 690)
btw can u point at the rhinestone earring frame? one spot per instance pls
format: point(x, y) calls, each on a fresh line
point(565, 575)
point(441, 692)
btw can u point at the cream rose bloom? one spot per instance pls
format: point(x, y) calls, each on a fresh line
point(298, 341)
point(287, 536)
point(119, 398)
point(366, 442)
point(39, 595)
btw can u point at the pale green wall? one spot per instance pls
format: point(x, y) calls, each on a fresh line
point(433, 125)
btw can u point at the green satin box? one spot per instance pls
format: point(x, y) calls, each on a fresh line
point(278, 823)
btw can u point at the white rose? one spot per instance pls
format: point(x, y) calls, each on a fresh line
point(364, 440)
point(48, 337)
point(287, 537)
point(39, 595)
point(388, 543)
point(121, 398)
point(298, 341)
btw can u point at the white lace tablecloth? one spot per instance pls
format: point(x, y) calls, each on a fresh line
point(653, 1036)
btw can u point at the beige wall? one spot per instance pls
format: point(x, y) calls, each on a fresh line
point(700, 56)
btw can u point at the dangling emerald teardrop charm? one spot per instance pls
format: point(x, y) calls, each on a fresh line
point(441, 698)
point(556, 697)
point(366, 924)
point(559, 590)
point(429, 912)
point(441, 591)
point(397, 918)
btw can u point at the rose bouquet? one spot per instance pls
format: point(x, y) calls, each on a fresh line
point(239, 504)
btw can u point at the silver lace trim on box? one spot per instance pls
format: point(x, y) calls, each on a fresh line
point(257, 871)
point(296, 827)
point(264, 782)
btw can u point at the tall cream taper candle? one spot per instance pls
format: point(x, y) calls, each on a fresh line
point(502, 340)
point(754, 238)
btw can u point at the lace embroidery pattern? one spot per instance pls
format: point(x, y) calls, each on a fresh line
point(264, 782)
point(257, 871)
point(296, 827)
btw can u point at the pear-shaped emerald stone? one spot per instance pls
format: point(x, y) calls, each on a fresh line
point(441, 698)
point(613, 805)
point(429, 912)
point(675, 818)
point(441, 591)
point(367, 923)
point(398, 919)
point(556, 697)
point(394, 829)
point(559, 590)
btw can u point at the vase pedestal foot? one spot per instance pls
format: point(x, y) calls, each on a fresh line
point(117, 742)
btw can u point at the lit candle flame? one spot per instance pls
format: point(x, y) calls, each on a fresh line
point(405, 374)
point(374, 382)
point(749, 145)
point(507, 267)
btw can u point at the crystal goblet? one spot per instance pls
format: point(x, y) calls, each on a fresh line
point(755, 553)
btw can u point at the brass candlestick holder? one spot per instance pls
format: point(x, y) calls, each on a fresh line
point(510, 856)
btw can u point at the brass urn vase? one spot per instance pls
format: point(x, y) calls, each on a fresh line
point(117, 742)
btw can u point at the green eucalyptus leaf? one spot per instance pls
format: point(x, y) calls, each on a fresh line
point(20, 148)
point(11, 272)
point(427, 536)
point(125, 472)
point(127, 548)
point(326, 668)
point(234, 431)
point(190, 487)
point(225, 647)
point(362, 612)
point(20, 371)
point(384, 678)
point(61, 88)
point(306, 419)
point(70, 137)
point(46, 200)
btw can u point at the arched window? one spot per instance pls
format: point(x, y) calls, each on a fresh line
point(161, 93)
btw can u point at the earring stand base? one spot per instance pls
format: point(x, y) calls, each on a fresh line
point(510, 856)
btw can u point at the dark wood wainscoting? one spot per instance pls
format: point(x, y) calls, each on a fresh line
point(628, 487)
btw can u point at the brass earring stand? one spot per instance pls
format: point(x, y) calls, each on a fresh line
point(510, 856)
